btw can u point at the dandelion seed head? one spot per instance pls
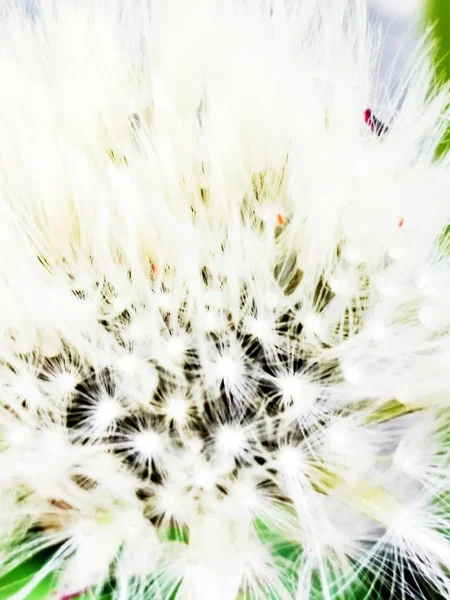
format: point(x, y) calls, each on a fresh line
point(65, 383)
point(291, 460)
point(224, 327)
point(107, 411)
point(352, 374)
point(230, 440)
point(148, 443)
point(177, 408)
point(128, 364)
point(18, 435)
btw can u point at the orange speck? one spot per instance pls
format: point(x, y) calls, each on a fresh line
point(280, 219)
point(401, 221)
point(154, 269)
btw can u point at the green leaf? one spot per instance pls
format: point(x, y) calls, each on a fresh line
point(17, 579)
point(437, 15)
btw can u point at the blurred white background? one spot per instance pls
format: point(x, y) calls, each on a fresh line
point(400, 21)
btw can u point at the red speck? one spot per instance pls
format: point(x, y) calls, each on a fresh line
point(368, 117)
point(280, 219)
point(154, 269)
point(376, 126)
point(75, 595)
point(401, 221)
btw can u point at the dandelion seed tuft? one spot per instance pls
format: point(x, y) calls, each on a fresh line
point(224, 324)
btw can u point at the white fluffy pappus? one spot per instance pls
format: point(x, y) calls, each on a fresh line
point(224, 324)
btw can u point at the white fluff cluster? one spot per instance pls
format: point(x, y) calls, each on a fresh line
point(225, 320)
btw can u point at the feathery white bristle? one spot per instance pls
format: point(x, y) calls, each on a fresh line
point(225, 335)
